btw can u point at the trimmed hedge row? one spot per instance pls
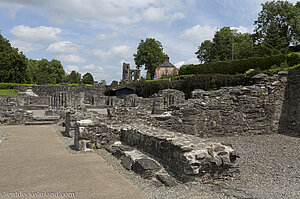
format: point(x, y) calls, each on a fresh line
point(240, 66)
point(12, 85)
point(187, 85)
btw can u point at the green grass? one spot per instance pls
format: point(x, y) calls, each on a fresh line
point(9, 92)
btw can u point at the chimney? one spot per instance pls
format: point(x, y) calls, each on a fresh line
point(167, 59)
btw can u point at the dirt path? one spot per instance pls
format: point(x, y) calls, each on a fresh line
point(34, 161)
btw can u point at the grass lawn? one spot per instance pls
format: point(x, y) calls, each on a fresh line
point(10, 92)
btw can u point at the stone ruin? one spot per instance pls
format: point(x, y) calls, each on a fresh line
point(166, 136)
point(130, 75)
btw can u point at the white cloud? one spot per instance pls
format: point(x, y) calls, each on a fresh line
point(199, 33)
point(72, 58)
point(63, 47)
point(38, 34)
point(26, 47)
point(179, 64)
point(242, 29)
point(193, 61)
point(115, 53)
point(124, 12)
point(107, 36)
point(70, 68)
point(154, 14)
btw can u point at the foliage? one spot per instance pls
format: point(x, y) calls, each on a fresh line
point(74, 77)
point(13, 85)
point(44, 71)
point(277, 27)
point(239, 66)
point(9, 92)
point(114, 83)
point(190, 83)
point(88, 78)
point(12, 63)
point(227, 44)
point(149, 54)
point(282, 68)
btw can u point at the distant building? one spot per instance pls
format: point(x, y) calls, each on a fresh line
point(165, 69)
point(130, 75)
point(122, 91)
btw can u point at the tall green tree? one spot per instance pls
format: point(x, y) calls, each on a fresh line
point(44, 71)
point(204, 53)
point(74, 77)
point(149, 54)
point(277, 26)
point(12, 63)
point(226, 44)
point(88, 78)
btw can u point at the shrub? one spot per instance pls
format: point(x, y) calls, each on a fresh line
point(190, 83)
point(239, 66)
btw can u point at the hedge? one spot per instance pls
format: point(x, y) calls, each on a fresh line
point(188, 84)
point(12, 85)
point(240, 66)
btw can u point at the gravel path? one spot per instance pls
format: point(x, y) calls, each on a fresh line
point(269, 169)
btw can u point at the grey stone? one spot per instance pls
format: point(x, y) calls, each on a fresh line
point(166, 180)
point(127, 162)
point(146, 167)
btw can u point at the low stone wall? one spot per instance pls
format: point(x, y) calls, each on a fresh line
point(165, 99)
point(241, 110)
point(90, 135)
point(189, 158)
point(14, 116)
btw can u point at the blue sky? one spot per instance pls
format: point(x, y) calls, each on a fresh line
point(97, 36)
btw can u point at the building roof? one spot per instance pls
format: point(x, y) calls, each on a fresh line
point(166, 64)
point(123, 87)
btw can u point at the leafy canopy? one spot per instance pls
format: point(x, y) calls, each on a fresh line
point(88, 78)
point(149, 54)
point(277, 27)
point(227, 44)
point(12, 63)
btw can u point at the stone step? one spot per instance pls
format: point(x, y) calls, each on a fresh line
point(40, 123)
point(46, 118)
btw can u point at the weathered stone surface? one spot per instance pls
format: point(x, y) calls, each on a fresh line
point(127, 162)
point(166, 180)
point(146, 167)
point(187, 156)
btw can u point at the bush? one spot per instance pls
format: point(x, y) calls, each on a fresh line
point(190, 83)
point(12, 85)
point(239, 66)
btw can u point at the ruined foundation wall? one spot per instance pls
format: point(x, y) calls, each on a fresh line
point(289, 122)
point(242, 110)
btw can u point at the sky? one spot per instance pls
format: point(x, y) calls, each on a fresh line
point(97, 36)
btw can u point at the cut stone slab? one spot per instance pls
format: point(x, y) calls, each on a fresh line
point(166, 180)
point(146, 167)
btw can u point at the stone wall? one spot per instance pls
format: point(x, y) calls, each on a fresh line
point(91, 134)
point(242, 110)
point(189, 158)
point(166, 98)
point(289, 122)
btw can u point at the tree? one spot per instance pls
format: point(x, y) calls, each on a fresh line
point(74, 77)
point(12, 63)
point(277, 26)
point(204, 53)
point(114, 83)
point(150, 54)
point(88, 78)
point(227, 44)
point(42, 71)
point(103, 82)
